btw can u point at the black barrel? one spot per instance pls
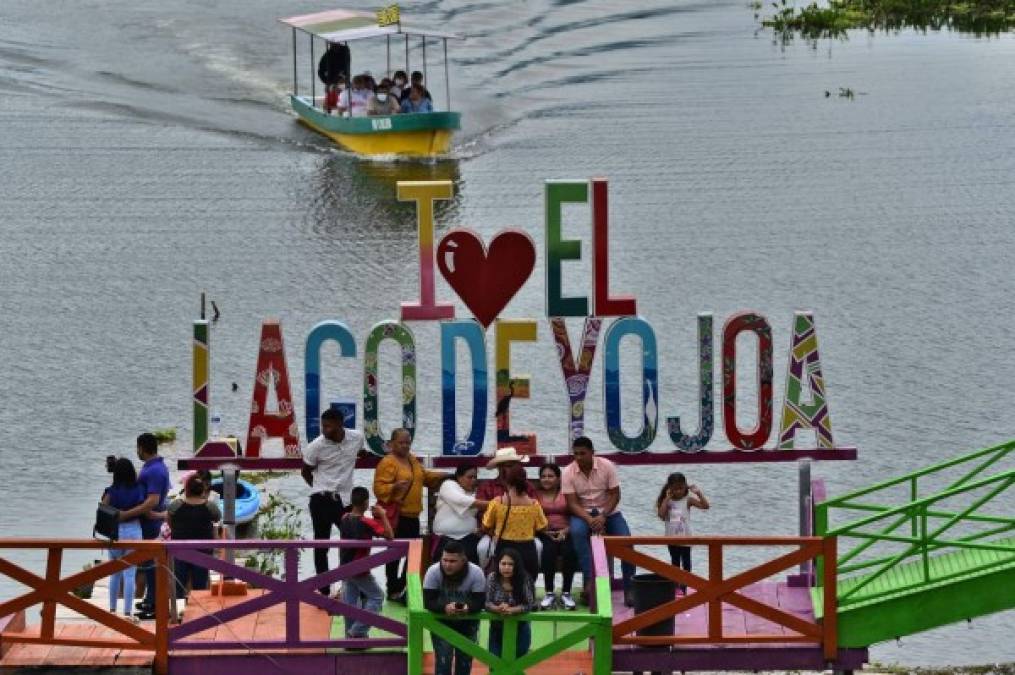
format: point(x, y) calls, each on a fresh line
point(650, 591)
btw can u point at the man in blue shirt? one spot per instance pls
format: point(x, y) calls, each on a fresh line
point(154, 478)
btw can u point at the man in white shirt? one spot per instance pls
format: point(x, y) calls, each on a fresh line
point(328, 463)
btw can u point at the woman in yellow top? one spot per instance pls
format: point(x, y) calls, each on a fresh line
point(514, 518)
point(399, 478)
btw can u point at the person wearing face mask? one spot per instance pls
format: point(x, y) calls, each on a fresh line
point(382, 102)
point(400, 86)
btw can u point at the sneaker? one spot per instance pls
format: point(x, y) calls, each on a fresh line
point(567, 601)
point(548, 602)
point(398, 597)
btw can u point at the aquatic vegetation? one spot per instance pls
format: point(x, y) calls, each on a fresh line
point(281, 520)
point(167, 435)
point(813, 22)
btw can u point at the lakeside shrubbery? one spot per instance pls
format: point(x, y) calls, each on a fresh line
point(814, 21)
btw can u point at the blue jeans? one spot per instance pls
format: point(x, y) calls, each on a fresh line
point(616, 526)
point(447, 659)
point(129, 531)
point(497, 638)
point(362, 591)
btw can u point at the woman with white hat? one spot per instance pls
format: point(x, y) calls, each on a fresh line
point(514, 518)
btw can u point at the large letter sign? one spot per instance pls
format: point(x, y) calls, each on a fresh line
point(319, 334)
point(559, 249)
point(388, 330)
point(805, 366)
point(706, 422)
point(425, 193)
point(650, 384)
point(738, 323)
point(272, 372)
point(200, 382)
point(576, 373)
point(470, 332)
point(509, 387)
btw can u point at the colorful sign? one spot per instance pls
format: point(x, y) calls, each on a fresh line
point(486, 276)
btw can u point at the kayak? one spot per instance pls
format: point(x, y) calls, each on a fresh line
point(248, 499)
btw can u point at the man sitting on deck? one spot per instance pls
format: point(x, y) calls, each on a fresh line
point(456, 588)
point(592, 489)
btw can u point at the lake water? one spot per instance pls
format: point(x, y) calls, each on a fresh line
point(146, 155)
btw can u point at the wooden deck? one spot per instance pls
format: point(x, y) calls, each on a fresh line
point(736, 623)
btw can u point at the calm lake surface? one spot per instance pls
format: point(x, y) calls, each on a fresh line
point(147, 154)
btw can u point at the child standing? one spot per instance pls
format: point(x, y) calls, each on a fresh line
point(362, 590)
point(509, 591)
point(674, 507)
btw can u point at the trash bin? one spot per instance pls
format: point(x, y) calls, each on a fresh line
point(650, 591)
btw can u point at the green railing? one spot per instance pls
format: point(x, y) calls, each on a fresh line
point(922, 526)
point(595, 626)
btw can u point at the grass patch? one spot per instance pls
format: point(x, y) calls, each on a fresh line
point(813, 21)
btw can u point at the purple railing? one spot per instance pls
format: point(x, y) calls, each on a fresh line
point(292, 591)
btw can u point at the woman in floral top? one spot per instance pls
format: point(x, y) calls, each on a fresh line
point(509, 591)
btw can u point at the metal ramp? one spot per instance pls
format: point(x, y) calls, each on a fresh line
point(945, 554)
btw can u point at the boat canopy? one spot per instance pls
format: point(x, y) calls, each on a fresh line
point(344, 25)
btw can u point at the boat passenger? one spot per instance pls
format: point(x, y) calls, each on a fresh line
point(331, 92)
point(358, 95)
point(192, 517)
point(334, 63)
point(400, 85)
point(417, 78)
point(382, 102)
point(124, 494)
point(417, 101)
point(399, 478)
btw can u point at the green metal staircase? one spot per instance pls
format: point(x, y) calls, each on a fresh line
point(940, 558)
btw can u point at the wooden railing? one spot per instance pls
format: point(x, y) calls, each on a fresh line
point(594, 625)
point(54, 589)
point(293, 591)
point(716, 589)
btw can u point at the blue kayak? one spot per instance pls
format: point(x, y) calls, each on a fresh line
point(248, 499)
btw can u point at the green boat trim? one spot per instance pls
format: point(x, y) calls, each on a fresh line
point(404, 122)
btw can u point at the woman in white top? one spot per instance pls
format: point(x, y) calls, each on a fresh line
point(674, 507)
point(456, 513)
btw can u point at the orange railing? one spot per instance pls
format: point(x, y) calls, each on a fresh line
point(53, 589)
point(716, 589)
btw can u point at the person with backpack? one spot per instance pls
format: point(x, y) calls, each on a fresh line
point(124, 494)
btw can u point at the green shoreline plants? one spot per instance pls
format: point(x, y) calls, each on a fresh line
point(813, 21)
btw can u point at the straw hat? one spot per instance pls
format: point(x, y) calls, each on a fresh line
point(505, 455)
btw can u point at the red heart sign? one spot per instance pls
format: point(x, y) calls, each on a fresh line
point(486, 279)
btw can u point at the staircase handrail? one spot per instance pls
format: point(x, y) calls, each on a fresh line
point(922, 542)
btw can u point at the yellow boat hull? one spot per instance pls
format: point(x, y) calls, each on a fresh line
point(410, 134)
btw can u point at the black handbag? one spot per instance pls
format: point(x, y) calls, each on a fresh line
point(107, 522)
